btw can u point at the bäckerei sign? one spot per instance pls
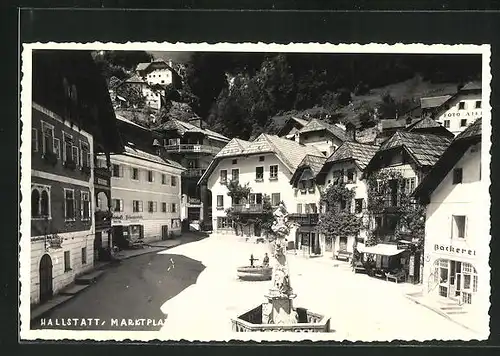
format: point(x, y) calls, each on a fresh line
point(454, 250)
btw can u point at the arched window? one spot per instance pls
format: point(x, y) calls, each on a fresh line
point(35, 203)
point(44, 204)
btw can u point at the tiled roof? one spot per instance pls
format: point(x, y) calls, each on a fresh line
point(135, 79)
point(361, 153)
point(134, 152)
point(184, 127)
point(473, 130)
point(123, 119)
point(234, 147)
point(433, 101)
point(425, 148)
point(313, 162)
point(475, 85)
point(317, 125)
point(142, 66)
point(424, 123)
point(300, 121)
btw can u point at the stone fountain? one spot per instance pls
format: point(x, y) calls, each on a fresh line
point(278, 313)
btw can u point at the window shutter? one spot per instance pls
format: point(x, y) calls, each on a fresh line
point(120, 170)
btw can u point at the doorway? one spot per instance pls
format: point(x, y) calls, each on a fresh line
point(45, 278)
point(257, 229)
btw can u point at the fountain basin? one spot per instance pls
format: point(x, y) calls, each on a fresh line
point(251, 321)
point(255, 273)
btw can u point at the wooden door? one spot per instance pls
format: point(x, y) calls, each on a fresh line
point(45, 278)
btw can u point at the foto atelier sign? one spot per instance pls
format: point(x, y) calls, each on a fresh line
point(455, 250)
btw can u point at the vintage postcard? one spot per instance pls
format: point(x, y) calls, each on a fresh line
point(255, 192)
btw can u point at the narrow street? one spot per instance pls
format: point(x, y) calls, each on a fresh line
point(134, 289)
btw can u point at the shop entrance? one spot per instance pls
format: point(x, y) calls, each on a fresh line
point(456, 280)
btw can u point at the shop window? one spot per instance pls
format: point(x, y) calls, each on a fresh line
point(457, 175)
point(69, 204)
point(235, 174)
point(67, 261)
point(273, 171)
point(259, 173)
point(458, 229)
point(84, 255)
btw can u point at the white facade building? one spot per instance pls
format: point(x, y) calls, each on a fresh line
point(456, 236)
point(146, 196)
point(324, 137)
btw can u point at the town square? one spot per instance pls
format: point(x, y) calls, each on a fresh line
point(211, 195)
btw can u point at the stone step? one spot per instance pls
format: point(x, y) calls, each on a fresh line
point(74, 289)
point(89, 278)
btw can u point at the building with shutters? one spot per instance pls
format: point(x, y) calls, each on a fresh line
point(70, 111)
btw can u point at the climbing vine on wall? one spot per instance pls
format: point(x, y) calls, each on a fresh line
point(387, 189)
point(338, 218)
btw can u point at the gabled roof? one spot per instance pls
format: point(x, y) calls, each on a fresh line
point(470, 136)
point(430, 126)
point(289, 152)
point(433, 101)
point(137, 153)
point(135, 79)
point(123, 119)
point(474, 85)
point(183, 127)
point(291, 120)
point(314, 163)
point(360, 153)
point(142, 66)
point(317, 125)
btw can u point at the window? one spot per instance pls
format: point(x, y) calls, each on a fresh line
point(358, 205)
point(458, 228)
point(255, 198)
point(135, 173)
point(137, 206)
point(67, 261)
point(151, 176)
point(34, 140)
point(275, 199)
point(273, 171)
point(478, 104)
point(57, 148)
point(173, 181)
point(457, 175)
point(117, 205)
point(461, 105)
point(235, 174)
point(84, 154)
point(163, 178)
point(74, 155)
point(117, 170)
point(262, 158)
point(152, 207)
point(85, 199)
point(84, 255)
point(235, 161)
point(174, 208)
point(223, 176)
point(48, 137)
point(299, 208)
point(40, 201)
point(220, 201)
point(351, 175)
point(338, 176)
point(175, 223)
point(223, 223)
point(69, 204)
point(463, 122)
point(447, 124)
point(259, 173)
point(408, 185)
point(163, 207)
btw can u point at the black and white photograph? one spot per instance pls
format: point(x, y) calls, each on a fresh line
point(251, 191)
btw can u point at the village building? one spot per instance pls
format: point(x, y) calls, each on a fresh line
point(192, 146)
point(291, 127)
point(321, 135)
point(145, 190)
point(461, 109)
point(307, 197)
point(267, 165)
point(411, 156)
point(346, 165)
point(71, 111)
point(456, 196)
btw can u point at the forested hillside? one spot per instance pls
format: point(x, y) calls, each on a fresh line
point(244, 94)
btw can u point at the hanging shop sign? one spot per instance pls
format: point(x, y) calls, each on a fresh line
point(454, 250)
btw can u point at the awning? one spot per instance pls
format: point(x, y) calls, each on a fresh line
point(380, 249)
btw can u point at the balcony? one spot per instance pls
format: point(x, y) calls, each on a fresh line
point(102, 219)
point(193, 172)
point(188, 148)
point(248, 208)
point(309, 219)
